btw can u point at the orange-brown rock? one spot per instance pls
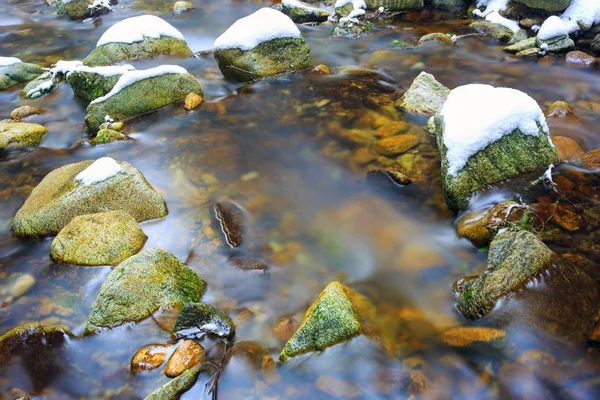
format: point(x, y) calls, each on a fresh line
point(192, 101)
point(560, 109)
point(469, 336)
point(580, 59)
point(397, 144)
point(391, 129)
point(591, 159)
point(567, 148)
point(323, 69)
point(149, 357)
point(187, 355)
point(285, 329)
point(364, 155)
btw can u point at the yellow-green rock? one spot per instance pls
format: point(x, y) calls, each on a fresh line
point(15, 135)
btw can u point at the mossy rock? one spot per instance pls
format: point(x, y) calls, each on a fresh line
point(196, 318)
point(89, 86)
point(59, 198)
point(106, 238)
point(31, 336)
point(521, 45)
point(496, 31)
point(111, 53)
point(15, 135)
point(140, 286)
point(75, 9)
point(40, 86)
point(395, 5)
point(105, 136)
point(141, 97)
point(173, 389)
point(546, 5)
point(14, 74)
point(351, 31)
point(268, 58)
point(450, 5)
point(562, 44)
point(424, 96)
point(306, 13)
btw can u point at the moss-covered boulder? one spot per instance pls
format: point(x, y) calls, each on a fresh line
point(106, 238)
point(13, 71)
point(395, 5)
point(105, 136)
point(351, 30)
point(560, 44)
point(545, 5)
point(522, 45)
point(15, 135)
point(60, 197)
point(81, 9)
point(424, 96)
point(246, 51)
point(198, 319)
point(89, 83)
point(173, 389)
point(337, 315)
point(140, 286)
point(40, 86)
point(31, 337)
point(301, 12)
point(495, 31)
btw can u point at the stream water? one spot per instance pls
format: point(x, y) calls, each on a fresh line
point(281, 149)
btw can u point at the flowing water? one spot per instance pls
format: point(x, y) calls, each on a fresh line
point(284, 150)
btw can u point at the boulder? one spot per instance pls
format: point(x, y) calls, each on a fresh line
point(81, 9)
point(140, 286)
point(181, 7)
point(424, 96)
point(496, 31)
point(301, 12)
point(105, 136)
point(89, 83)
point(15, 135)
point(351, 30)
point(23, 112)
point(138, 92)
point(553, 36)
point(173, 389)
point(198, 319)
point(40, 86)
point(106, 238)
point(596, 44)
point(508, 138)
point(60, 197)
point(262, 44)
point(13, 71)
point(138, 38)
point(591, 159)
point(545, 5)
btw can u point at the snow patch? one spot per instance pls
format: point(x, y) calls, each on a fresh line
point(476, 116)
point(111, 70)
point(98, 4)
point(296, 4)
point(99, 171)
point(135, 29)
point(586, 11)
point(552, 27)
point(264, 25)
point(42, 88)
point(496, 18)
point(7, 61)
point(351, 18)
point(355, 3)
point(131, 77)
point(490, 6)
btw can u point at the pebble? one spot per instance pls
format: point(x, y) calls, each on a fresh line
point(391, 129)
point(192, 101)
point(397, 144)
point(567, 148)
point(285, 329)
point(187, 355)
point(182, 6)
point(364, 155)
point(149, 357)
point(23, 112)
point(323, 69)
point(22, 285)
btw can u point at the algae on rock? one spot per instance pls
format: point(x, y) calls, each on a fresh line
point(20, 72)
point(114, 52)
point(15, 135)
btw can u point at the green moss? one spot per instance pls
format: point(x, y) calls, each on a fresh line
point(18, 73)
point(301, 15)
point(112, 53)
point(89, 86)
point(173, 389)
point(546, 5)
point(75, 9)
point(105, 136)
point(395, 5)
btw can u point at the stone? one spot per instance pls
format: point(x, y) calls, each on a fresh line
point(301, 12)
point(395, 5)
point(105, 136)
point(285, 329)
point(322, 69)
point(397, 144)
point(31, 337)
point(450, 5)
point(192, 101)
point(187, 355)
point(40, 86)
point(149, 358)
point(561, 44)
point(16, 135)
point(246, 264)
point(15, 286)
point(140, 286)
point(181, 7)
point(560, 109)
point(385, 176)
point(436, 37)
point(141, 97)
point(351, 30)
point(424, 96)
point(23, 112)
point(545, 5)
point(198, 319)
point(591, 159)
point(595, 46)
point(580, 59)
point(58, 198)
point(471, 336)
point(337, 388)
point(112, 53)
point(533, 52)
point(11, 75)
point(92, 83)
point(495, 31)
point(80, 9)
point(106, 238)
point(567, 148)
point(526, 44)
point(173, 389)
point(231, 218)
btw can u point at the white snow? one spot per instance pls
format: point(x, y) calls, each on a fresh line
point(64, 67)
point(381, 10)
point(7, 61)
point(477, 115)
point(131, 77)
point(135, 29)
point(355, 3)
point(535, 28)
point(296, 4)
point(99, 171)
point(490, 6)
point(351, 18)
point(101, 4)
point(264, 25)
point(111, 70)
point(40, 89)
point(586, 11)
point(496, 18)
point(552, 27)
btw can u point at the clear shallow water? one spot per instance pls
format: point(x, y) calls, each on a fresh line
point(279, 148)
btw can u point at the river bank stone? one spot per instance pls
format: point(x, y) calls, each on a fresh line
point(59, 198)
point(140, 286)
point(495, 31)
point(197, 319)
point(424, 96)
point(16, 135)
point(107, 238)
point(173, 389)
point(546, 5)
point(522, 45)
point(20, 72)
point(301, 12)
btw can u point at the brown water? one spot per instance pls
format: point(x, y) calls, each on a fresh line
point(284, 150)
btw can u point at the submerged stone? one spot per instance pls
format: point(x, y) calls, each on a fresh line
point(140, 286)
point(16, 135)
point(473, 336)
point(231, 218)
point(424, 96)
point(173, 389)
point(18, 72)
point(149, 358)
point(31, 337)
point(196, 319)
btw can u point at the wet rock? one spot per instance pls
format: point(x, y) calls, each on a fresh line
point(323, 69)
point(533, 52)
point(301, 12)
point(596, 44)
point(450, 5)
point(526, 44)
point(591, 160)
point(248, 361)
point(472, 336)
point(364, 155)
point(23, 112)
point(561, 44)
point(245, 264)
point(192, 101)
point(59, 197)
point(161, 88)
point(569, 217)
point(265, 58)
point(436, 37)
point(81, 9)
point(173, 389)
point(580, 59)
point(89, 83)
point(567, 148)
point(285, 329)
point(396, 177)
point(40, 86)
point(187, 355)
point(149, 357)
point(105, 136)
point(19, 72)
point(196, 319)
point(395, 145)
point(392, 129)
point(560, 109)
point(107, 238)
point(351, 30)
point(29, 338)
point(140, 286)
point(181, 7)
point(395, 5)
point(545, 5)
point(231, 218)
point(495, 31)
point(109, 52)
point(331, 319)
point(424, 96)
point(16, 135)
point(16, 286)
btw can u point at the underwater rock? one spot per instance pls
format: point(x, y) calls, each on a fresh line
point(16, 135)
point(474, 336)
point(61, 196)
point(591, 159)
point(567, 148)
point(231, 218)
point(580, 59)
point(545, 5)
point(262, 44)
point(384, 176)
point(436, 37)
point(29, 338)
point(149, 358)
point(13, 71)
point(247, 362)
point(495, 31)
point(245, 264)
point(195, 319)
point(424, 96)
point(395, 145)
point(15, 286)
point(140, 286)
point(107, 238)
point(186, 356)
point(105, 136)
point(285, 329)
point(173, 389)
point(23, 112)
point(301, 12)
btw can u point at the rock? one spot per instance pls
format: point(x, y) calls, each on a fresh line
point(450, 5)
point(396, 177)
point(140, 286)
point(497, 32)
point(107, 238)
point(105, 136)
point(31, 337)
point(108, 52)
point(81, 9)
point(192, 101)
point(187, 355)
point(245, 264)
point(257, 58)
point(301, 12)
point(231, 218)
point(471, 336)
point(16, 135)
point(560, 109)
point(580, 59)
point(472, 161)
point(165, 85)
point(322, 69)
point(331, 319)
point(40, 86)
point(248, 362)
point(18, 72)
point(181, 7)
point(173, 389)
point(533, 52)
point(526, 44)
point(591, 159)
point(397, 144)
point(285, 329)
point(23, 112)
point(395, 5)
point(567, 148)
point(536, 288)
point(436, 37)
point(337, 388)
point(545, 5)
point(89, 83)
point(517, 37)
point(59, 197)
point(351, 30)
point(569, 218)
point(595, 44)
point(15, 286)
point(561, 44)
point(149, 357)
point(424, 96)
point(198, 319)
